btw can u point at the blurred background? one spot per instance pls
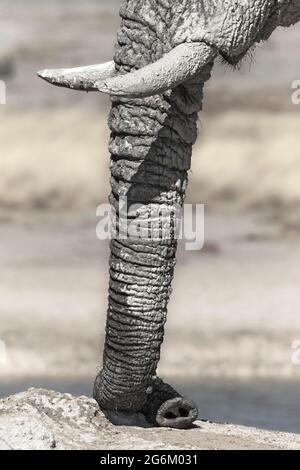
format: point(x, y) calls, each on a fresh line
point(234, 316)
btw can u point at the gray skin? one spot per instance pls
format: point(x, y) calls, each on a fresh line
point(163, 57)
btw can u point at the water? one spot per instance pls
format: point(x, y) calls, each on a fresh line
point(266, 404)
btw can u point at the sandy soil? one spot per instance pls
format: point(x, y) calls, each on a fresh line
point(234, 309)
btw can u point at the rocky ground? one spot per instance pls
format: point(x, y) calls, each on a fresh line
point(41, 419)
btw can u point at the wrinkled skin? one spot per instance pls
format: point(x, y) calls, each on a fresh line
point(152, 134)
point(233, 26)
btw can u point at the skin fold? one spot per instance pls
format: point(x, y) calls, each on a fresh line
point(164, 55)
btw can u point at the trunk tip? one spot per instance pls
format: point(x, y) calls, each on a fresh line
point(178, 413)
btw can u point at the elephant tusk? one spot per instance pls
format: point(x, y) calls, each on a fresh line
point(79, 78)
point(182, 63)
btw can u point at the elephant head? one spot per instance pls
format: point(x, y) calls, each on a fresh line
point(228, 28)
point(164, 55)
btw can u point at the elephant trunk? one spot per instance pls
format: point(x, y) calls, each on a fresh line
point(151, 146)
point(150, 155)
point(157, 90)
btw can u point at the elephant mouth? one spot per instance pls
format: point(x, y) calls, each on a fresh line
point(178, 413)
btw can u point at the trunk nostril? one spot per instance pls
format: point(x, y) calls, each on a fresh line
point(184, 412)
point(166, 408)
point(177, 413)
point(170, 415)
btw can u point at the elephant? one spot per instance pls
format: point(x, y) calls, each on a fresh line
point(163, 57)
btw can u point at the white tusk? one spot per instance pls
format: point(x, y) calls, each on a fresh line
point(79, 78)
point(179, 65)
